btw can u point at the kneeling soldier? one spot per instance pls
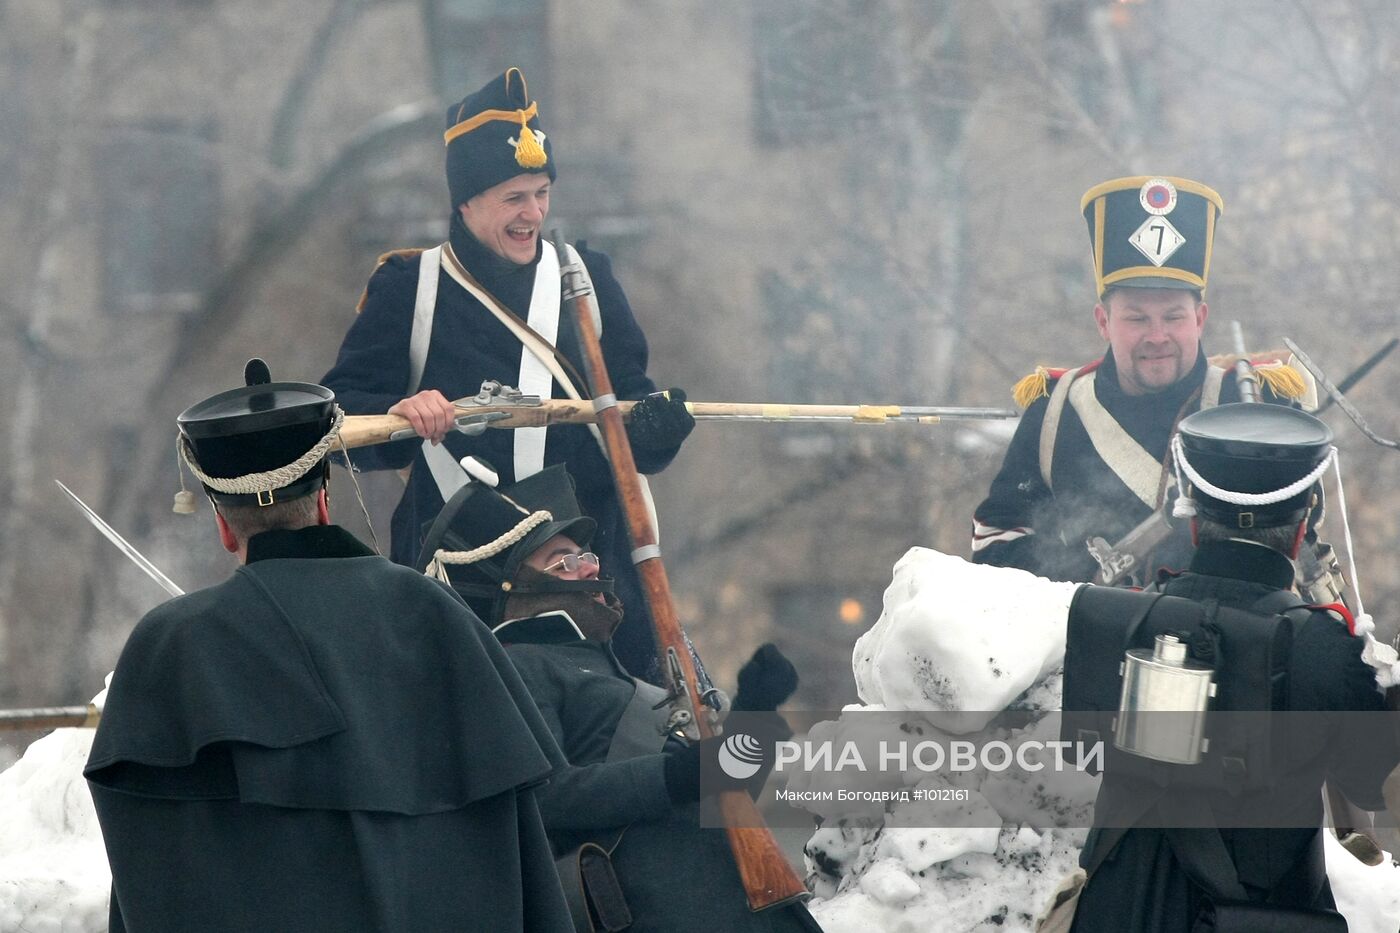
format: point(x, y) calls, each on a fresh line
point(621, 810)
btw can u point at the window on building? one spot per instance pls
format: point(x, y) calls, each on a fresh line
point(159, 194)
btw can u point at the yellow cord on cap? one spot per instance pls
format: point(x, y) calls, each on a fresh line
point(528, 151)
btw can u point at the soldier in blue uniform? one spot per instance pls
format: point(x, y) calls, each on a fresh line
point(426, 333)
point(1089, 458)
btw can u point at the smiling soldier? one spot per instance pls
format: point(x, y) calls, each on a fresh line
point(434, 324)
point(1089, 458)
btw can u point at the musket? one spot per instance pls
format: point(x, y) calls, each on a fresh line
point(1119, 561)
point(1353, 826)
point(767, 877)
point(50, 717)
point(498, 406)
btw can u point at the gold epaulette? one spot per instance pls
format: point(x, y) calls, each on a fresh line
point(383, 258)
point(1037, 384)
point(1275, 370)
point(1032, 387)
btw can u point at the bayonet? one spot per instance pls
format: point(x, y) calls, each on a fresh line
point(126, 547)
point(1361, 372)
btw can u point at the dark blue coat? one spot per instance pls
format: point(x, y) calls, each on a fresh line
point(469, 345)
point(1023, 523)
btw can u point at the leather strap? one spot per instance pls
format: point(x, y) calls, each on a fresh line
point(535, 377)
point(1140, 471)
point(1050, 427)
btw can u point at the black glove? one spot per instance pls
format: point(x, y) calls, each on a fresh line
point(682, 769)
point(688, 768)
point(658, 423)
point(765, 681)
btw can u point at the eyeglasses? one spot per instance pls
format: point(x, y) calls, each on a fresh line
point(572, 562)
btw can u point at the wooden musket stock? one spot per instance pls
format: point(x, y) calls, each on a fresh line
point(767, 877)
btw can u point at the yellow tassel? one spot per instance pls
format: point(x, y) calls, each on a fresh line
point(184, 502)
point(1283, 381)
point(528, 151)
point(1032, 387)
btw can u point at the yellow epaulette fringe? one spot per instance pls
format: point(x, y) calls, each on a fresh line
point(1032, 387)
point(1282, 379)
point(383, 258)
point(1273, 369)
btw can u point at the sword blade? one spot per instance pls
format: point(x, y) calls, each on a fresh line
point(1361, 372)
point(126, 547)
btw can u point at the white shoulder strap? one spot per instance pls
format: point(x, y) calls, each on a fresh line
point(1210, 388)
point(424, 304)
point(1050, 427)
point(544, 353)
point(535, 375)
point(450, 480)
point(1139, 470)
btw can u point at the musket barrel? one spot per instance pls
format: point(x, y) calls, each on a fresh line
point(1245, 377)
point(49, 717)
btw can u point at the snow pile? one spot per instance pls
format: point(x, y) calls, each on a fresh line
point(956, 643)
point(956, 637)
point(53, 868)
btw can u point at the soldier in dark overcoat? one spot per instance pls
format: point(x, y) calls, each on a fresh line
point(1232, 839)
point(326, 741)
point(626, 792)
point(426, 334)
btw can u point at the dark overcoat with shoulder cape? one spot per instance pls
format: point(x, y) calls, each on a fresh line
point(326, 741)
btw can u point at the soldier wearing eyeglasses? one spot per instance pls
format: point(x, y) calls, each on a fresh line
point(621, 810)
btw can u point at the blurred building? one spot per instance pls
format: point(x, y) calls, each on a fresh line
point(850, 201)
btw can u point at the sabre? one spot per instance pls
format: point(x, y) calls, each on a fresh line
point(110, 533)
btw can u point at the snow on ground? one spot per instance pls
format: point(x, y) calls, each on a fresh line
point(53, 868)
point(956, 638)
point(953, 637)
